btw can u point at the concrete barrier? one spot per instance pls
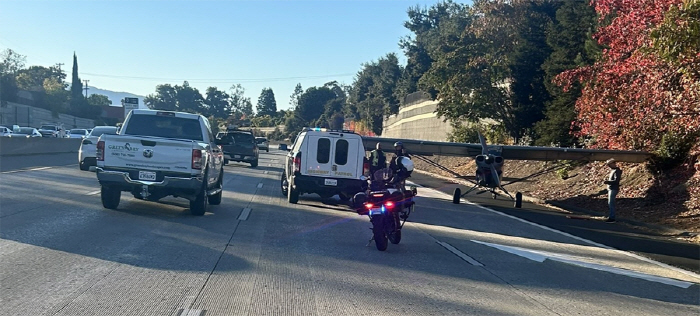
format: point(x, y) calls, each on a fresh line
point(18, 146)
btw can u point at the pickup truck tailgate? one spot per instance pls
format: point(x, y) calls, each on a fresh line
point(148, 154)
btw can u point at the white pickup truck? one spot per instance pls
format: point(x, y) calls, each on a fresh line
point(158, 153)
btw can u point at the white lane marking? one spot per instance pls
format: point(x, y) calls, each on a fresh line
point(266, 172)
point(22, 170)
point(93, 192)
point(460, 254)
point(590, 242)
point(260, 185)
point(244, 214)
point(191, 312)
point(40, 168)
point(411, 183)
point(269, 165)
point(541, 256)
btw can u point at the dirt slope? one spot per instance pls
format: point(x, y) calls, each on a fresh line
point(672, 200)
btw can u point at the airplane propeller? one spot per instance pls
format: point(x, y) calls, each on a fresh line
point(490, 160)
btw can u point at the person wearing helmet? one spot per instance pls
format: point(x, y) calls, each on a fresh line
point(398, 165)
point(377, 160)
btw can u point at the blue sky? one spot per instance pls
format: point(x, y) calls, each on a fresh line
point(132, 46)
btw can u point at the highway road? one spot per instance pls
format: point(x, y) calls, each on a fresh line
point(61, 253)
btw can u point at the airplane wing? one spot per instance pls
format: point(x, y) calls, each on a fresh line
point(429, 148)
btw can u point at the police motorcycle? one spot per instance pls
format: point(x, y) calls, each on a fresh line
point(388, 203)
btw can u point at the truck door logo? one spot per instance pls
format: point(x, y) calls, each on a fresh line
point(148, 153)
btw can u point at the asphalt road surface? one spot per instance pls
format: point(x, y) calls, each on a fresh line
point(61, 253)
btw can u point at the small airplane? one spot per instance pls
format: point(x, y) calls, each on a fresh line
point(489, 169)
point(490, 159)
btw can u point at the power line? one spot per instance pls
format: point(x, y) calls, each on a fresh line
point(219, 80)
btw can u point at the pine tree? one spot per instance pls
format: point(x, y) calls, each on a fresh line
point(76, 88)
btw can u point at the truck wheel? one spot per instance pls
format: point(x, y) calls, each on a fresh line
point(199, 205)
point(344, 197)
point(216, 198)
point(84, 166)
point(292, 195)
point(283, 184)
point(110, 197)
point(456, 196)
point(225, 162)
point(254, 163)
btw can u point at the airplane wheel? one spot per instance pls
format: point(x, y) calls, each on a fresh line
point(457, 196)
point(494, 195)
point(518, 200)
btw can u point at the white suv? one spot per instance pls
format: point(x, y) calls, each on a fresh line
point(325, 162)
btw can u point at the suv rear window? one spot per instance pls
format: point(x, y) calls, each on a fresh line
point(240, 138)
point(341, 152)
point(164, 126)
point(323, 150)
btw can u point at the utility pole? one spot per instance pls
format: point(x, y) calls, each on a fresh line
point(86, 87)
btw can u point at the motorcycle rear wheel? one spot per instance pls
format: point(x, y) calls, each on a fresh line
point(380, 239)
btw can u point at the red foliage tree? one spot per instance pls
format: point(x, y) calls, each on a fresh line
point(632, 96)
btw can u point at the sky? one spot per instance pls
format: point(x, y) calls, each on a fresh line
point(132, 46)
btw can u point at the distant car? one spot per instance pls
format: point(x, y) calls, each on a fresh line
point(87, 153)
point(5, 132)
point(52, 130)
point(78, 133)
point(282, 147)
point(25, 132)
point(262, 143)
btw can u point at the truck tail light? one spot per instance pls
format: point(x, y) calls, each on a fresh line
point(100, 152)
point(297, 163)
point(196, 159)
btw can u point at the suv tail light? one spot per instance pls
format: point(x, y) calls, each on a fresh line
point(100, 152)
point(196, 159)
point(297, 163)
point(365, 168)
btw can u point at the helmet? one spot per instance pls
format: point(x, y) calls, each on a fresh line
point(397, 144)
point(407, 163)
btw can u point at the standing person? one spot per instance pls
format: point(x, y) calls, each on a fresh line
point(613, 182)
point(377, 160)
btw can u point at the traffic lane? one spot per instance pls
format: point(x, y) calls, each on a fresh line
point(300, 253)
point(15, 163)
point(572, 274)
point(69, 249)
point(618, 235)
point(310, 258)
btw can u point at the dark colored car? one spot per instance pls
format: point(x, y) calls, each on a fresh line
point(239, 146)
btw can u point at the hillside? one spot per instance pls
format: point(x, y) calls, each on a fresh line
point(671, 200)
point(116, 97)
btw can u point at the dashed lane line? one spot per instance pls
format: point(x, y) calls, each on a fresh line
point(24, 170)
point(244, 214)
point(460, 254)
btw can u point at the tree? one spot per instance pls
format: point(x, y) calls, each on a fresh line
point(11, 62)
point(635, 95)
point(189, 99)
point(32, 78)
point(312, 103)
point(99, 100)
point(569, 36)
point(217, 103)
point(373, 92)
point(294, 98)
point(242, 107)
point(164, 99)
point(76, 89)
point(487, 62)
point(262, 121)
point(266, 103)
point(56, 95)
